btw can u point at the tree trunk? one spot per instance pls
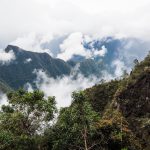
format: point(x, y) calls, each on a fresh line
point(85, 138)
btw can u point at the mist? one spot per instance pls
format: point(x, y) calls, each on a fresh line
point(3, 99)
point(62, 87)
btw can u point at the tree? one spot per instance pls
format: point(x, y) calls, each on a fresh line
point(24, 119)
point(76, 125)
point(136, 62)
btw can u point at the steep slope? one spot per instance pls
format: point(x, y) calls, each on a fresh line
point(88, 67)
point(124, 107)
point(102, 94)
point(20, 71)
point(137, 94)
point(134, 102)
point(4, 87)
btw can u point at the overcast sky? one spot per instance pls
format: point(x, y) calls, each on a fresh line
point(98, 18)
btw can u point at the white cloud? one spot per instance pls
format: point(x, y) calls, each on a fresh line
point(63, 87)
point(6, 57)
point(99, 18)
point(28, 87)
point(133, 49)
point(73, 45)
point(119, 68)
point(100, 52)
point(32, 42)
point(28, 60)
point(3, 99)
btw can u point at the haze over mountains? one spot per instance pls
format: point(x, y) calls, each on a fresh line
point(98, 59)
point(21, 69)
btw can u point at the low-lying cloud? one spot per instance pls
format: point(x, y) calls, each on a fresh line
point(6, 57)
point(62, 87)
point(3, 99)
point(28, 60)
point(119, 68)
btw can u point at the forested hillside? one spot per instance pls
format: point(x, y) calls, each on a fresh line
point(112, 115)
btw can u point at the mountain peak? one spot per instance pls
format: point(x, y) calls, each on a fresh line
point(19, 50)
point(12, 47)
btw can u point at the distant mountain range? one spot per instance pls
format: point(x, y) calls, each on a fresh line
point(20, 71)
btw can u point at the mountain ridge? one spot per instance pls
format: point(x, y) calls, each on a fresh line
point(20, 71)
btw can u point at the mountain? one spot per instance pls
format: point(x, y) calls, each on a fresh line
point(124, 107)
point(113, 115)
point(20, 71)
point(88, 67)
point(4, 87)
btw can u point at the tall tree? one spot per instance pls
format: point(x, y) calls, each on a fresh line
point(24, 118)
point(76, 125)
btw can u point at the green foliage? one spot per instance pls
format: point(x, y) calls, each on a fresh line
point(76, 124)
point(108, 116)
point(6, 139)
point(139, 69)
point(22, 120)
point(100, 95)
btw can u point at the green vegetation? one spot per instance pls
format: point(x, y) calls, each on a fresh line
point(23, 119)
point(109, 116)
point(76, 125)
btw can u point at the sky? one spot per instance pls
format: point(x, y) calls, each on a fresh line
point(45, 19)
